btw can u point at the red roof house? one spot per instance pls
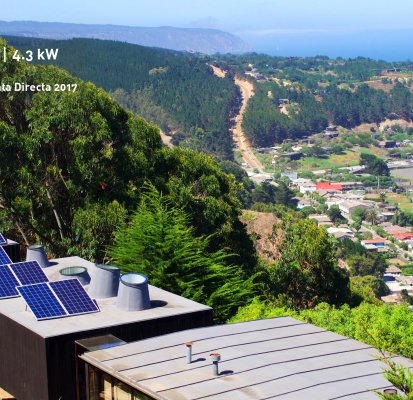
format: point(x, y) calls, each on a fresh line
point(329, 186)
point(403, 236)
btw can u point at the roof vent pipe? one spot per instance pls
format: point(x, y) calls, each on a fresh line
point(75, 272)
point(133, 292)
point(37, 253)
point(104, 282)
point(216, 358)
point(390, 392)
point(188, 352)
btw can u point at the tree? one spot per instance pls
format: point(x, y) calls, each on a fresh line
point(160, 243)
point(359, 215)
point(400, 377)
point(374, 165)
point(362, 265)
point(371, 216)
point(335, 214)
point(306, 272)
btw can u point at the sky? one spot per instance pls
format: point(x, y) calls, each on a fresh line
point(272, 26)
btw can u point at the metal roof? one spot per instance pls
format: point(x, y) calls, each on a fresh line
point(279, 358)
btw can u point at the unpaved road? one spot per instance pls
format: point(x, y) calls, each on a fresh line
point(219, 72)
point(166, 139)
point(242, 144)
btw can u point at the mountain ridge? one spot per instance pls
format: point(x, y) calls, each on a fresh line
point(202, 40)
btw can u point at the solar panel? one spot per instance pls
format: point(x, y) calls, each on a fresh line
point(4, 258)
point(8, 283)
point(2, 239)
point(42, 301)
point(29, 272)
point(74, 297)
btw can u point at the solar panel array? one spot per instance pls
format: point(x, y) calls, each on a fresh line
point(57, 299)
point(2, 239)
point(23, 273)
point(4, 258)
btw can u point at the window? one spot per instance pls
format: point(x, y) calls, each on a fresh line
point(103, 386)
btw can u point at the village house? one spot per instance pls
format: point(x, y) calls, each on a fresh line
point(387, 144)
point(348, 207)
point(378, 244)
point(393, 270)
point(322, 219)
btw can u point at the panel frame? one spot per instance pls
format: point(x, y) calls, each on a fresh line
point(6, 267)
point(46, 284)
point(30, 263)
point(80, 287)
point(57, 298)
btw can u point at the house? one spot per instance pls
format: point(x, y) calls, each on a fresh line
point(322, 219)
point(283, 102)
point(334, 230)
point(292, 156)
point(302, 203)
point(385, 216)
point(378, 244)
point(276, 358)
point(349, 206)
point(396, 229)
point(290, 175)
point(305, 188)
point(393, 270)
point(403, 236)
point(391, 299)
point(40, 359)
point(330, 135)
point(387, 144)
point(336, 187)
point(331, 128)
point(351, 185)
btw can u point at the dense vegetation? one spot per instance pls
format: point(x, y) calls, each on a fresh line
point(384, 326)
point(266, 124)
point(160, 242)
point(74, 164)
point(177, 91)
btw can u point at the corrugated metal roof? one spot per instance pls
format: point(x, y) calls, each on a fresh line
point(279, 358)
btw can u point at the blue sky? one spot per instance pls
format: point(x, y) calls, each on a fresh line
point(263, 23)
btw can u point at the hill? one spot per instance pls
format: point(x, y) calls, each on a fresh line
point(175, 90)
point(207, 41)
point(74, 165)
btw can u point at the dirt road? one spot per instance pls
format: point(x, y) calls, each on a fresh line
point(166, 139)
point(242, 144)
point(219, 72)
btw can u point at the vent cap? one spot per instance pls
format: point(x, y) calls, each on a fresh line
point(133, 292)
point(104, 281)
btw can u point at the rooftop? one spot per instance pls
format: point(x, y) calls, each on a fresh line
point(165, 304)
point(278, 358)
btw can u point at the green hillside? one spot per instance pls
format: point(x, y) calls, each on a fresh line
point(177, 91)
point(74, 165)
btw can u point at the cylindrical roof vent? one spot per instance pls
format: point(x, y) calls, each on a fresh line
point(104, 282)
point(37, 253)
point(75, 272)
point(133, 292)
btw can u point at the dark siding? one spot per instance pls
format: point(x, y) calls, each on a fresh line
point(23, 370)
point(61, 349)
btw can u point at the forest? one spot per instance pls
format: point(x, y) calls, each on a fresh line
point(175, 90)
point(179, 92)
point(265, 124)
